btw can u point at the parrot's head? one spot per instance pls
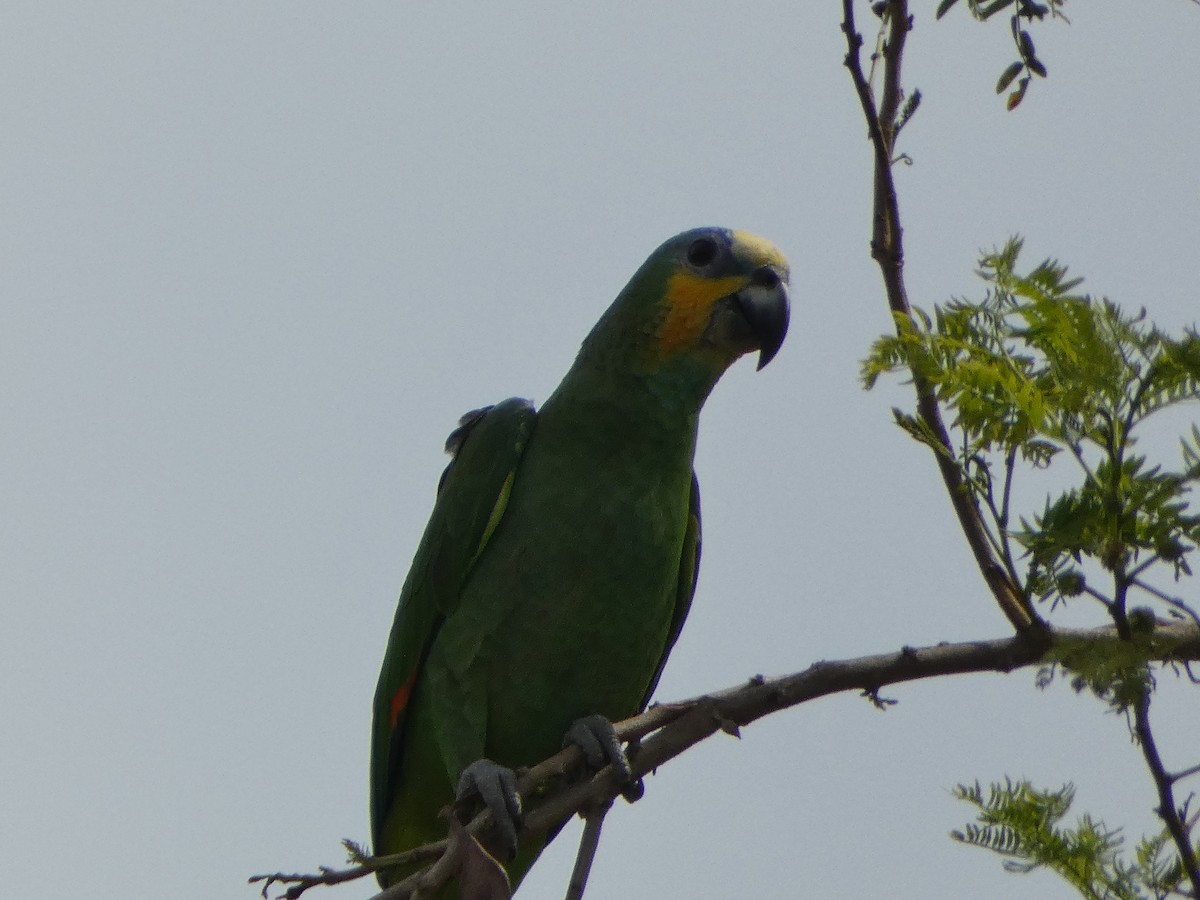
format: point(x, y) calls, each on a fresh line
point(702, 299)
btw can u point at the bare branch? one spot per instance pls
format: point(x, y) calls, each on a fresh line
point(593, 821)
point(1185, 773)
point(1167, 810)
point(667, 730)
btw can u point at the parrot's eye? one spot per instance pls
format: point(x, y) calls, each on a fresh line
point(702, 252)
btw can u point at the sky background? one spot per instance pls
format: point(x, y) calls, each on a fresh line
point(256, 259)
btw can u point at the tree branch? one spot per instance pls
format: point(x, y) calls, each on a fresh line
point(593, 821)
point(665, 731)
point(1168, 811)
point(887, 249)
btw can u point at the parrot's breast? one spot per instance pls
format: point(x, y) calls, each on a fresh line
point(568, 611)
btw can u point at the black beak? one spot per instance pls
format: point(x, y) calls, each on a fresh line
point(764, 305)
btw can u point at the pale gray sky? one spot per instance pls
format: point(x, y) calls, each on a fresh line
point(257, 258)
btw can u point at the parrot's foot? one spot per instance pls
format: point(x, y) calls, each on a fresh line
point(496, 785)
point(598, 740)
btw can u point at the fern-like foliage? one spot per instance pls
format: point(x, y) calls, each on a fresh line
point(1035, 372)
point(1024, 825)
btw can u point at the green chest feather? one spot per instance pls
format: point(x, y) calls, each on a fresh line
point(569, 608)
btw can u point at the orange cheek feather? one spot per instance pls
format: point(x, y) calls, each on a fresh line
point(688, 305)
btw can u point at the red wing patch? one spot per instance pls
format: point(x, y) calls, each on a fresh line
point(400, 698)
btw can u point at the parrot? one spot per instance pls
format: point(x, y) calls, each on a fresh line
point(561, 556)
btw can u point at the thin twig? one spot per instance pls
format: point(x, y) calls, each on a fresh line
point(1174, 602)
point(887, 249)
point(593, 821)
point(429, 879)
point(1098, 596)
point(1002, 522)
point(1185, 773)
point(1165, 784)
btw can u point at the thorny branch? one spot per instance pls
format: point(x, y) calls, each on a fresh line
point(884, 120)
point(667, 730)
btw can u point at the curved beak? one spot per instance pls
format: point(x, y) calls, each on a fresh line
point(764, 305)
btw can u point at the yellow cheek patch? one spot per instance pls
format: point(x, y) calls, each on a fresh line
point(761, 251)
point(688, 305)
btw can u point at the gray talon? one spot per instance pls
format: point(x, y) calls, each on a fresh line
point(497, 787)
point(597, 738)
point(634, 791)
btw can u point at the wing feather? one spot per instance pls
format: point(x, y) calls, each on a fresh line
point(472, 496)
point(689, 570)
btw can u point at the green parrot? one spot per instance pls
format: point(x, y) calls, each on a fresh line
point(560, 559)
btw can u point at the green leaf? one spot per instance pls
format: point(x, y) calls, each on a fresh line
point(1031, 10)
point(1025, 45)
point(918, 429)
point(1015, 98)
point(944, 7)
point(986, 12)
point(1007, 76)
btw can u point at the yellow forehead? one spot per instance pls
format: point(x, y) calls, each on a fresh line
point(761, 251)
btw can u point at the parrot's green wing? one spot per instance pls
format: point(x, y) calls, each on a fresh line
point(472, 496)
point(689, 569)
